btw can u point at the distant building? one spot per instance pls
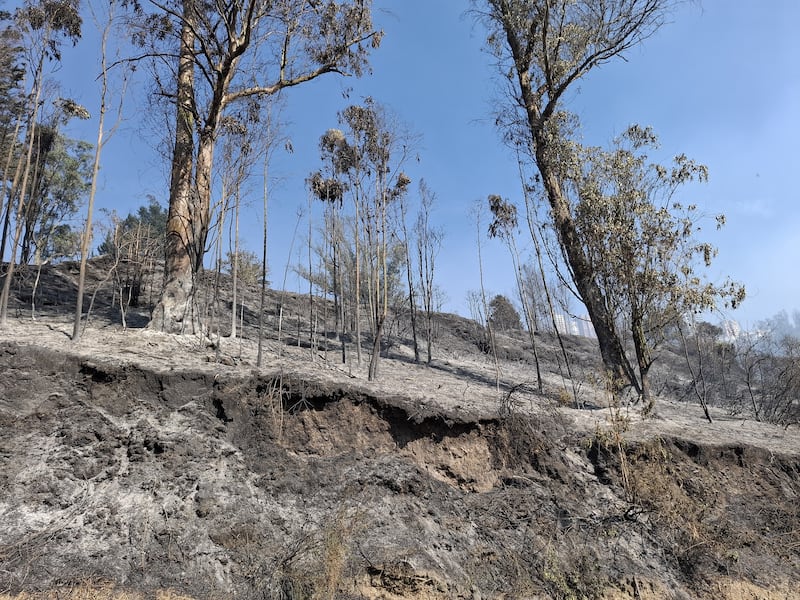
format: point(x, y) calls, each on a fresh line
point(731, 330)
point(585, 327)
point(581, 326)
point(561, 323)
point(573, 327)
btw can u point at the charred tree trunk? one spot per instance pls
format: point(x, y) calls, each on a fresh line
point(181, 247)
point(615, 361)
point(21, 198)
point(552, 45)
point(644, 361)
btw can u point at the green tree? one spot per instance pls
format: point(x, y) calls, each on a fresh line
point(640, 243)
point(246, 263)
point(149, 223)
point(62, 177)
point(135, 243)
point(42, 26)
point(63, 242)
point(502, 314)
point(12, 74)
point(227, 52)
point(12, 109)
point(543, 49)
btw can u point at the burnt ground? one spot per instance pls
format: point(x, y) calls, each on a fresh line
point(147, 463)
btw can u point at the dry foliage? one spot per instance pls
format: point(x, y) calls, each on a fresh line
point(89, 590)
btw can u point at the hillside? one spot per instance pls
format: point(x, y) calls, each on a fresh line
point(138, 464)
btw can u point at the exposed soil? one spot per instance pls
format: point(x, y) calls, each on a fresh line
point(137, 462)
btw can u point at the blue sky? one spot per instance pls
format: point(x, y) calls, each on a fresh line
point(720, 83)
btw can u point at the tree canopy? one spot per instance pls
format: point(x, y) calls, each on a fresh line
point(502, 314)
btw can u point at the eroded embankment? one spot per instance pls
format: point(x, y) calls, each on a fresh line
point(273, 487)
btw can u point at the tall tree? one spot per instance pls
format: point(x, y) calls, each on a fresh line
point(105, 20)
point(327, 186)
point(12, 74)
point(544, 47)
point(366, 162)
point(429, 241)
point(62, 175)
point(42, 25)
point(12, 108)
point(239, 133)
point(377, 151)
point(229, 51)
point(641, 243)
point(412, 287)
point(504, 226)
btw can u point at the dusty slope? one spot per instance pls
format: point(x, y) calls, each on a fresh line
point(145, 461)
point(145, 470)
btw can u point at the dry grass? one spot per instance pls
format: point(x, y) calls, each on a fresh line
point(93, 591)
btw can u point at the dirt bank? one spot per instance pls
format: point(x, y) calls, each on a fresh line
point(216, 482)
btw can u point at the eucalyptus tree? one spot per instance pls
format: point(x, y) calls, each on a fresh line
point(239, 132)
point(107, 16)
point(220, 53)
point(377, 150)
point(12, 74)
point(12, 107)
point(61, 181)
point(365, 162)
point(328, 186)
point(42, 26)
point(429, 239)
point(641, 243)
point(544, 47)
point(504, 226)
point(402, 215)
point(59, 173)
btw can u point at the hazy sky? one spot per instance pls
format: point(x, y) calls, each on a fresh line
point(721, 83)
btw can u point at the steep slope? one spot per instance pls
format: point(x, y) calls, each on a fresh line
point(139, 461)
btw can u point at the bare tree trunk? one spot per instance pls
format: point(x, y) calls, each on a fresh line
point(526, 312)
point(223, 209)
point(235, 265)
point(426, 285)
point(338, 296)
point(263, 286)
point(698, 376)
point(86, 238)
point(357, 300)
point(4, 296)
point(8, 193)
point(285, 275)
point(35, 287)
point(412, 301)
point(374, 359)
point(311, 314)
point(181, 245)
point(644, 361)
point(485, 305)
point(551, 311)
